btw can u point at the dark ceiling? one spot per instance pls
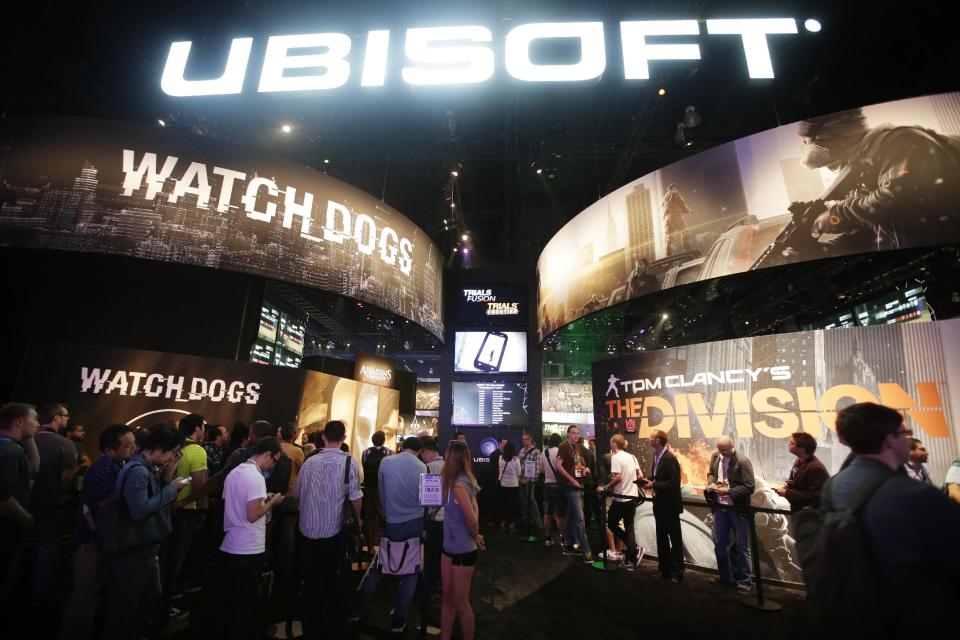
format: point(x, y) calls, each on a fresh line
point(400, 143)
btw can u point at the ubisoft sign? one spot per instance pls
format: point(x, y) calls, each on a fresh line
point(463, 55)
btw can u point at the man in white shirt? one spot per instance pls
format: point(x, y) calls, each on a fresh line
point(245, 508)
point(624, 471)
point(321, 491)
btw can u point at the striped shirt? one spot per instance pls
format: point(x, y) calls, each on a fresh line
point(320, 491)
point(532, 454)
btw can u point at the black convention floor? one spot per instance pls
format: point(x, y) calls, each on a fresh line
point(525, 591)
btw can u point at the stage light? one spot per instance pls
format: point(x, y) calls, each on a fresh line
point(453, 205)
point(454, 173)
point(466, 250)
point(539, 171)
point(811, 25)
point(161, 122)
point(326, 161)
point(465, 237)
point(662, 92)
point(286, 128)
point(665, 316)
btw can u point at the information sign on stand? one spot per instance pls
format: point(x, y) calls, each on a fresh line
point(431, 487)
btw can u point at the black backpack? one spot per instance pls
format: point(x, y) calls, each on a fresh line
point(838, 567)
point(371, 466)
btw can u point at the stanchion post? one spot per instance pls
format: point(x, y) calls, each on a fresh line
point(761, 603)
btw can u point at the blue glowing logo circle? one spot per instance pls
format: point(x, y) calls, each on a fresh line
point(488, 446)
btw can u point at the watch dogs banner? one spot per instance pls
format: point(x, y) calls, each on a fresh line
point(883, 177)
point(148, 192)
point(104, 386)
point(761, 390)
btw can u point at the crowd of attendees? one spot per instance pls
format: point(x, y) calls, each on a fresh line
point(178, 508)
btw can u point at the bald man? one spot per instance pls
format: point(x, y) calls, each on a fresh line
point(730, 485)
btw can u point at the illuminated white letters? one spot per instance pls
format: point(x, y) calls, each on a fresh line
point(593, 57)
point(249, 199)
point(375, 59)
point(637, 52)
point(440, 63)
point(293, 208)
point(465, 55)
point(174, 84)
point(330, 230)
point(226, 187)
point(365, 234)
point(197, 171)
point(133, 177)
point(278, 59)
point(754, 34)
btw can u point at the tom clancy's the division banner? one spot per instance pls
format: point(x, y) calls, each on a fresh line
point(105, 385)
point(761, 390)
point(883, 177)
point(149, 192)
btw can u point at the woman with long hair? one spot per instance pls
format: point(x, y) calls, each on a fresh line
point(509, 469)
point(461, 540)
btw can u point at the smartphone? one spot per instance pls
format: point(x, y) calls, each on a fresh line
point(490, 355)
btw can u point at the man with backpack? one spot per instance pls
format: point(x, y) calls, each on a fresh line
point(882, 547)
point(145, 489)
point(373, 517)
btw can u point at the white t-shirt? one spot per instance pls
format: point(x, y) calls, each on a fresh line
point(243, 484)
point(626, 465)
point(510, 472)
point(549, 477)
point(953, 474)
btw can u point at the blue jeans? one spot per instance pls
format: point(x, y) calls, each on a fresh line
point(726, 521)
point(408, 584)
point(576, 531)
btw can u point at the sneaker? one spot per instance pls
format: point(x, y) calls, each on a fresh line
point(614, 555)
point(570, 551)
point(743, 589)
point(177, 614)
point(588, 558)
point(548, 543)
point(629, 566)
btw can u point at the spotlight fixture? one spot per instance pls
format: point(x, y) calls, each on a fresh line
point(539, 171)
point(691, 118)
point(326, 161)
point(465, 237)
point(662, 92)
point(811, 25)
point(286, 128)
point(665, 316)
point(454, 173)
point(161, 122)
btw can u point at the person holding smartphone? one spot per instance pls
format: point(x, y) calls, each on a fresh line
point(246, 504)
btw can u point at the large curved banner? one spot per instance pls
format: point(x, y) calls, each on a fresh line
point(882, 177)
point(148, 192)
point(761, 390)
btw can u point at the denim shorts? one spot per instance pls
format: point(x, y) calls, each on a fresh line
point(468, 559)
point(554, 504)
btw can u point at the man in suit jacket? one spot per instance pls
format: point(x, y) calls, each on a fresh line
point(807, 476)
point(667, 507)
point(731, 484)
